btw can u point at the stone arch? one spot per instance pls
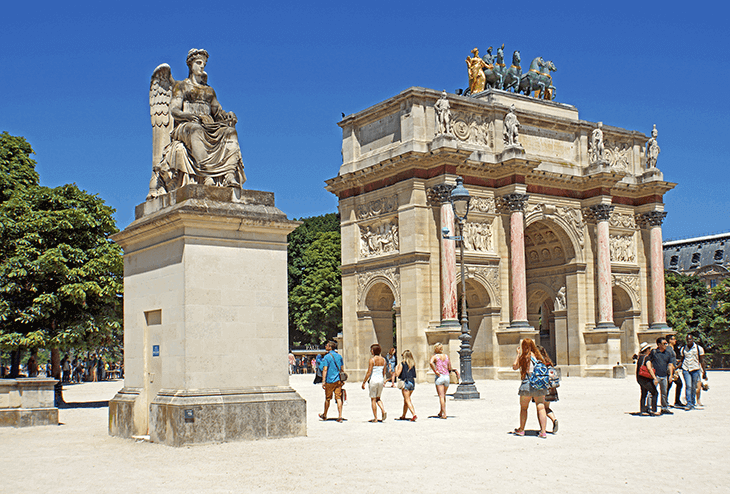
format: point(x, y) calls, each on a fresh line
point(368, 281)
point(570, 234)
point(380, 313)
point(480, 309)
point(483, 281)
point(624, 318)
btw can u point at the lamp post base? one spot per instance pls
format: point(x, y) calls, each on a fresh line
point(466, 391)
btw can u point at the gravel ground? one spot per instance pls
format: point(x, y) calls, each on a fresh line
point(601, 447)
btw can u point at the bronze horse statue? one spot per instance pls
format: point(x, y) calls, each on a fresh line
point(511, 76)
point(537, 80)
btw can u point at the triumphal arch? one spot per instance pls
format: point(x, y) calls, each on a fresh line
point(562, 242)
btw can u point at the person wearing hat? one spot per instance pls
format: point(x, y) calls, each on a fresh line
point(646, 377)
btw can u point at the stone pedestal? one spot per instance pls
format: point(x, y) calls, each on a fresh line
point(205, 317)
point(27, 402)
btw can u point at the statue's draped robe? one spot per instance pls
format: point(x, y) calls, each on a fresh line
point(222, 156)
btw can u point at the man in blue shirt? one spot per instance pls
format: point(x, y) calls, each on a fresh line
point(331, 366)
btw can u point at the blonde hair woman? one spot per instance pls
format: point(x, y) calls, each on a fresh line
point(406, 372)
point(441, 366)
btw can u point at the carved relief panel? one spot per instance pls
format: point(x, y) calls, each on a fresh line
point(378, 238)
point(378, 207)
point(475, 129)
point(478, 236)
point(622, 248)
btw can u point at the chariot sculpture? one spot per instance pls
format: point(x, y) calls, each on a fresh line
point(492, 73)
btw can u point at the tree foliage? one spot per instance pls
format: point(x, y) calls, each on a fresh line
point(60, 277)
point(689, 305)
point(17, 169)
point(721, 321)
point(315, 284)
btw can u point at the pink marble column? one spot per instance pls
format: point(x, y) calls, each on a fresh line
point(440, 195)
point(449, 304)
point(654, 220)
point(602, 213)
point(516, 203)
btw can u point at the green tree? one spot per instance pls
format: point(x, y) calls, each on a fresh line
point(721, 320)
point(315, 304)
point(60, 277)
point(17, 169)
point(689, 307)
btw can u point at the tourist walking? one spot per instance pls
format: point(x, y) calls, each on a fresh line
point(528, 357)
point(375, 379)
point(663, 361)
point(331, 366)
point(552, 395)
point(441, 366)
point(406, 371)
point(676, 377)
point(392, 362)
point(646, 378)
point(693, 360)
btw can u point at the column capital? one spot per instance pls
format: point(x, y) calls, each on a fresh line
point(440, 194)
point(515, 201)
point(601, 212)
point(652, 218)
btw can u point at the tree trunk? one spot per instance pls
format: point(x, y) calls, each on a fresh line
point(56, 374)
point(15, 363)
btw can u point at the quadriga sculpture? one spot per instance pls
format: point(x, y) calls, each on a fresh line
point(193, 139)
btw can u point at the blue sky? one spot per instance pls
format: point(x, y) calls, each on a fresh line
point(75, 79)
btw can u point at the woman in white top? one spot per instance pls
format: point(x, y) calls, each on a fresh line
point(376, 378)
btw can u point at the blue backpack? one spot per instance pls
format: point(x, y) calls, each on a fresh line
point(540, 377)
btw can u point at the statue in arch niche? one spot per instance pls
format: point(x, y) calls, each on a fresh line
point(193, 139)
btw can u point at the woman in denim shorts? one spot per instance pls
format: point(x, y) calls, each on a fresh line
point(406, 372)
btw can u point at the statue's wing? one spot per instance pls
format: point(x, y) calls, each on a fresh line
point(160, 94)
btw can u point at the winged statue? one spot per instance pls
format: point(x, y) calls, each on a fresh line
point(193, 139)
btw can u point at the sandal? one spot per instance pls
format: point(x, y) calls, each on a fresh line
point(385, 416)
point(372, 421)
point(402, 418)
point(322, 416)
point(414, 418)
point(340, 420)
point(542, 435)
point(518, 432)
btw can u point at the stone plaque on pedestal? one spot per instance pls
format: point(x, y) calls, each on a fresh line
point(205, 320)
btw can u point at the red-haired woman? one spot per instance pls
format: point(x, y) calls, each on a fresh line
point(527, 356)
point(376, 378)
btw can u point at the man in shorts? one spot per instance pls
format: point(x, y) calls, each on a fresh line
point(331, 366)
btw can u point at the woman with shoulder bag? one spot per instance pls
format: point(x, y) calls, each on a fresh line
point(528, 356)
point(406, 372)
point(646, 378)
point(375, 378)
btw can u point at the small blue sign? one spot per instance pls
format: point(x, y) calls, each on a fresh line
point(155, 350)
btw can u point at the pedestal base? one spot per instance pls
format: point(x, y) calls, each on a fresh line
point(182, 417)
point(466, 392)
point(28, 417)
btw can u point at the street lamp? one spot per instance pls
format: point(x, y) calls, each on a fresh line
point(460, 200)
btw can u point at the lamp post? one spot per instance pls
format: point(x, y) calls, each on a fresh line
point(460, 200)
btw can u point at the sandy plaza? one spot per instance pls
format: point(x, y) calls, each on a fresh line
point(600, 447)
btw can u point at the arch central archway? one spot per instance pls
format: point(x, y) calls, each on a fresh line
point(549, 256)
